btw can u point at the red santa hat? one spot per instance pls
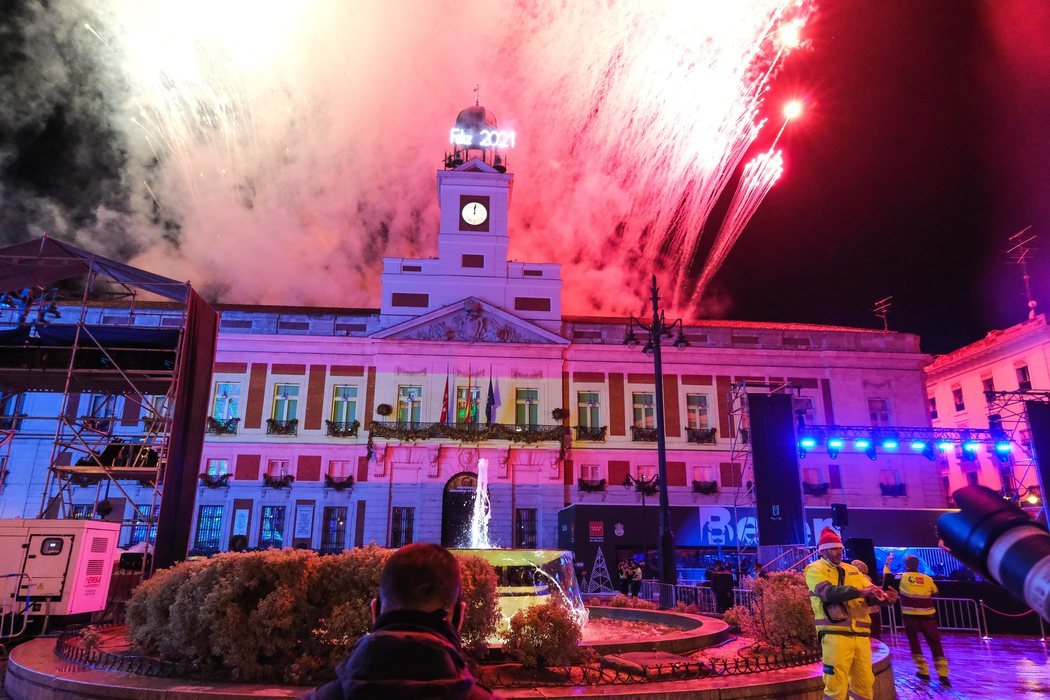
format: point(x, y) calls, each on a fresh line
point(829, 539)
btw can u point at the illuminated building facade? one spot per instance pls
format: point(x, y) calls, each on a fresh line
point(966, 386)
point(338, 427)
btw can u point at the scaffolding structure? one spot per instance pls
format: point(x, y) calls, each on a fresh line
point(1007, 415)
point(109, 341)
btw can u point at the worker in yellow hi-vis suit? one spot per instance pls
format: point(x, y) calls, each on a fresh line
point(840, 596)
point(917, 591)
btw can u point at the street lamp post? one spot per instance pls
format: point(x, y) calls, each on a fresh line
point(657, 330)
point(644, 486)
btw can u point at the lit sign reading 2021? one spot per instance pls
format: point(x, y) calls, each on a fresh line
point(486, 138)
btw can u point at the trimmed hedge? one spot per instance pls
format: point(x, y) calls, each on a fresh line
point(277, 616)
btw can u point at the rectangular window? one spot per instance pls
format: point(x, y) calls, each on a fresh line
point(644, 410)
point(646, 471)
point(1024, 380)
point(217, 467)
point(102, 406)
point(527, 406)
point(812, 475)
point(11, 410)
point(82, 511)
point(414, 301)
point(531, 304)
point(696, 411)
point(889, 477)
point(333, 528)
point(344, 404)
point(285, 402)
point(209, 527)
point(589, 414)
point(933, 408)
point(473, 260)
point(703, 473)
point(278, 467)
point(468, 398)
point(271, 531)
point(409, 404)
point(987, 386)
point(805, 411)
point(140, 525)
point(340, 468)
point(879, 412)
point(591, 472)
point(957, 397)
point(525, 528)
point(401, 526)
point(227, 402)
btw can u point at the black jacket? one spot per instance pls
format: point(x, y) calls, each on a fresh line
point(408, 654)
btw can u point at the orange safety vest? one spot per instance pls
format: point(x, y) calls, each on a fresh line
point(917, 592)
point(850, 617)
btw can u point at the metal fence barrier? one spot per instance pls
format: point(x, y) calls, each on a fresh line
point(703, 598)
point(953, 615)
point(984, 619)
point(744, 597)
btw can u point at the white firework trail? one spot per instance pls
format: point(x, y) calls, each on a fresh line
point(759, 176)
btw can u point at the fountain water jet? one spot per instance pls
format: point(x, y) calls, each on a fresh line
point(479, 520)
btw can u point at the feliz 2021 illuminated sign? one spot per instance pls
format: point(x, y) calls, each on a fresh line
point(486, 138)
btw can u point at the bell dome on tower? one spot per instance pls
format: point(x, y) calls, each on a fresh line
point(476, 134)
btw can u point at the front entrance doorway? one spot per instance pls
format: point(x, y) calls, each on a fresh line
point(457, 506)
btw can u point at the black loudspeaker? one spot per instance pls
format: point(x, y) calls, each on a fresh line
point(864, 549)
point(779, 509)
point(132, 561)
point(839, 515)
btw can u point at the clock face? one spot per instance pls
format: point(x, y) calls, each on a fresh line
point(474, 213)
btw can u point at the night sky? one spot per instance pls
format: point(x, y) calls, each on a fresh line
point(922, 148)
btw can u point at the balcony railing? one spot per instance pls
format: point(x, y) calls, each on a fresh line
point(701, 436)
point(215, 481)
point(639, 434)
point(282, 427)
point(591, 485)
point(100, 424)
point(281, 481)
point(343, 484)
point(815, 489)
point(221, 426)
point(592, 433)
point(342, 429)
point(705, 487)
point(894, 489)
point(466, 432)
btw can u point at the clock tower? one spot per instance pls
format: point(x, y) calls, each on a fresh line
point(474, 191)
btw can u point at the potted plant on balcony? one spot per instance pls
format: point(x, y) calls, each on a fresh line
point(331, 482)
point(214, 481)
point(591, 485)
point(282, 481)
point(559, 414)
point(707, 488)
point(894, 490)
point(384, 409)
point(815, 489)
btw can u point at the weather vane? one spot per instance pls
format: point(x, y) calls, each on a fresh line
point(1019, 254)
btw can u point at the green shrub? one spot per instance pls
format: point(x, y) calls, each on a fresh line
point(734, 615)
point(781, 616)
point(621, 601)
point(285, 616)
point(481, 594)
point(543, 635)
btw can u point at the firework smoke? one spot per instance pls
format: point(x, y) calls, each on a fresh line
point(274, 152)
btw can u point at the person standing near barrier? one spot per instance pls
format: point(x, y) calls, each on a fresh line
point(920, 617)
point(840, 596)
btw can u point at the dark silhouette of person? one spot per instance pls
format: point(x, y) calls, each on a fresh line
point(414, 648)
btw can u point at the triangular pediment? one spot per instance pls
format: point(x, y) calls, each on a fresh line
point(475, 165)
point(470, 321)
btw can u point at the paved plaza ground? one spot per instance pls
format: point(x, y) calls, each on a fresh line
point(1002, 667)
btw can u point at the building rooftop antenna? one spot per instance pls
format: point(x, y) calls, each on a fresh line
point(1019, 253)
point(882, 310)
point(477, 94)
